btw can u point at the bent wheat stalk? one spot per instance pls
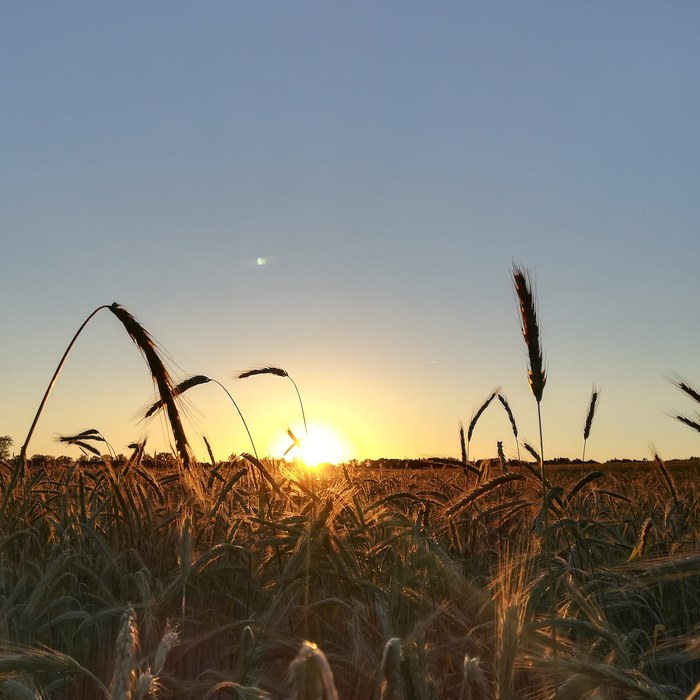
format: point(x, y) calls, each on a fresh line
point(191, 382)
point(476, 416)
point(278, 372)
point(161, 378)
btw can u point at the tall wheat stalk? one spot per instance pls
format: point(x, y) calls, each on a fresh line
point(159, 374)
point(531, 333)
point(537, 379)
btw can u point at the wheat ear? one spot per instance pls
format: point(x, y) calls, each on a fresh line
point(161, 378)
point(278, 372)
point(475, 418)
point(589, 420)
point(125, 667)
point(511, 418)
point(196, 381)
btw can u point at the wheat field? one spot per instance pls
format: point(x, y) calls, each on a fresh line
point(165, 577)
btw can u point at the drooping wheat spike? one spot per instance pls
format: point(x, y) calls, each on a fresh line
point(686, 388)
point(279, 372)
point(313, 674)
point(475, 418)
point(161, 378)
point(80, 440)
point(532, 451)
point(390, 671)
point(511, 418)
point(695, 425)
point(125, 666)
point(474, 686)
point(589, 420)
point(583, 481)
point(180, 388)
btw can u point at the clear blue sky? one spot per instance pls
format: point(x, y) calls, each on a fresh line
point(390, 161)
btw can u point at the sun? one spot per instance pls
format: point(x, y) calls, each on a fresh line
point(323, 444)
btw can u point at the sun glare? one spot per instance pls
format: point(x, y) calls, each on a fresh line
point(323, 444)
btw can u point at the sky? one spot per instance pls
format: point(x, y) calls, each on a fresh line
point(342, 190)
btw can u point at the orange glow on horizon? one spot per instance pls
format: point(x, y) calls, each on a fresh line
point(323, 444)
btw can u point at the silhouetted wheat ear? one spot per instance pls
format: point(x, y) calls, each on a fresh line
point(688, 421)
point(686, 388)
point(181, 388)
point(477, 415)
point(531, 331)
point(161, 378)
point(589, 420)
point(462, 444)
point(81, 440)
point(509, 413)
point(209, 450)
point(531, 450)
point(591, 413)
point(278, 371)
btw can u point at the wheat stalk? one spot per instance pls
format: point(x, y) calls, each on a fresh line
point(161, 378)
point(192, 382)
point(178, 389)
point(278, 372)
point(475, 418)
